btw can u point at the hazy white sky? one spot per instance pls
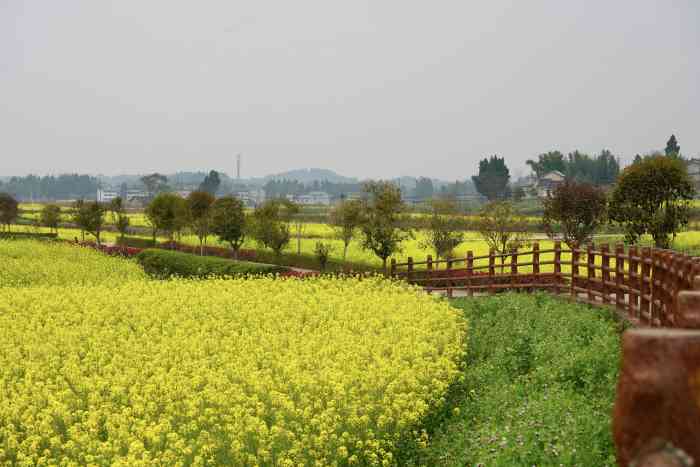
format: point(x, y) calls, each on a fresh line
point(366, 88)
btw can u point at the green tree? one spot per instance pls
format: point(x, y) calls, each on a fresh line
point(345, 219)
point(503, 229)
point(9, 210)
point(381, 227)
point(119, 217)
point(443, 232)
point(165, 214)
point(492, 181)
point(154, 183)
point(424, 188)
point(51, 217)
point(574, 210)
point(229, 222)
point(547, 162)
point(89, 217)
point(672, 148)
point(322, 252)
point(199, 206)
point(270, 225)
point(652, 197)
point(211, 183)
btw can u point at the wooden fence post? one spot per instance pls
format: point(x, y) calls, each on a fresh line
point(619, 276)
point(470, 272)
point(605, 255)
point(657, 396)
point(645, 308)
point(392, 270)
point(575, 256)
point(429, 264)
point(492, 271)
point(448, 268)
point(513, 266)
point(590, 273)
point(557, 266)
point(409, 270)
point(535, 265)
point(633, 284)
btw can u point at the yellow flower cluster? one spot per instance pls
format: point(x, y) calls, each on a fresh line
point(250, 372)
point(29, 262)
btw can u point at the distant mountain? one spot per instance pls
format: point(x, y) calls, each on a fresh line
point(311, 175)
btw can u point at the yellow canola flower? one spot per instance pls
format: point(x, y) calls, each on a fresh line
point(220, 372)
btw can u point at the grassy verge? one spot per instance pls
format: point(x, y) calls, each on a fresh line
point(538, 387)
point(163, 263)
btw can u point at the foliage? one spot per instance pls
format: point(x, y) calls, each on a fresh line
point(167, 213)
point(89, 217)
point(424, 188)
point(538, 387)
point(155, 183)
point(65, 186)
point(119, 217)
point(652, 197)
point(547, 162)
point(135, 242)
point(164, 263)
point(199, 211)
point(222, 372)
point(8, 210)
point(574, 210)
point(322, 251)
point(51, 216)
point(599, 170)
point(493, 177)
point(381, 229)
point(229, 222)
point(672, 148)
point(346, 218)
point(33, 263)
point(211, 183)
point(270, 225)
point(443, 232)
point(502, 227)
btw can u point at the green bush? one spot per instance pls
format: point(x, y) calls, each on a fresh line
point(163, 264)
point(28, 235)
point(538, 387)
point(135, 242)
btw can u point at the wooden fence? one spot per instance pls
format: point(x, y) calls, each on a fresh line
point(656, 420)
point(644, 283)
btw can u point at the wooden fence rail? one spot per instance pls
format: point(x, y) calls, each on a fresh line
point(656, 419)
point(643, 283)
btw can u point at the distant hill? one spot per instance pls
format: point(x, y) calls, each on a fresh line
point(311, 175)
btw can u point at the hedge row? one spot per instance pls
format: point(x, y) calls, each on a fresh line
point(10, 235)
point(164, 263)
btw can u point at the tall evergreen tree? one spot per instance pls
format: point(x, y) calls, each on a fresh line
point(493, 178)
point(211, 183)
point(672, 148)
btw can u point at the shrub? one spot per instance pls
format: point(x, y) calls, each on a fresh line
point(135, 242)
point(164, 263)
point(28, 235)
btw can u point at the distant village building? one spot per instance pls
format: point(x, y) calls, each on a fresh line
point(251, 198)
point(313, 198)
point(106, 196)
point(132, 196)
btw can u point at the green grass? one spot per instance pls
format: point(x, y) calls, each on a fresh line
point(538, 387)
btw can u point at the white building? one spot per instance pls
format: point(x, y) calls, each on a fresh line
point(105, 196)
point(313, 198)
point(251, 198)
